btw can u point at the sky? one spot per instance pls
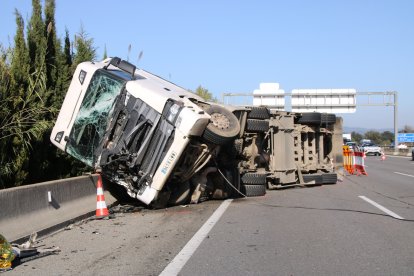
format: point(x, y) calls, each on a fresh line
point(233, 46)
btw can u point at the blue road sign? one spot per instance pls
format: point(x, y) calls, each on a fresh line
point(405, 137)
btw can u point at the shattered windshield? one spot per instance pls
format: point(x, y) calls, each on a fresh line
point(93, 116)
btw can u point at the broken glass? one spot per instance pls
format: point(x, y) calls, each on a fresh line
point(94, 114)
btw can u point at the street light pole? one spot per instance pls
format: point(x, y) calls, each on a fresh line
point(395, 121)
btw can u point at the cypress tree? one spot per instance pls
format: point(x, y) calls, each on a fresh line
point(20, 60)
point(15, 148)
point(43, 161)
point(84, 48)
point(67, 52)
point(5, 80)
point(105, 54)
point(35, 37)
point(52, 45)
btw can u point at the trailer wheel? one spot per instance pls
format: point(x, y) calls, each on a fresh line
point(253, 190)
point(253, 184)
point(317, 178)
point(257, 125)
point(329, 178)
point(260, 112)
point(254, 178)
point(223, 127)
point(310, 118)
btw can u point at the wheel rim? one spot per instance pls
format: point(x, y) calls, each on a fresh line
point(220, 121)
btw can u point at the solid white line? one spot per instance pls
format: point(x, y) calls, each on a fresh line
point(382, 208)
point(175, 266)
point(404, 174)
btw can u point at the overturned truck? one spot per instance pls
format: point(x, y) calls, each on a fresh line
point(156, 142)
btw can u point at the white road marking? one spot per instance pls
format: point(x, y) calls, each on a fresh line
point(404, 174)
point(382, 208)
point(175, 266)
point(397, 156)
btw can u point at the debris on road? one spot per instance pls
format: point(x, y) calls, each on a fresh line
point(7, 254)
point(126, 208)
point(12, 255)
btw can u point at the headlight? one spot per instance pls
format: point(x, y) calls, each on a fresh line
point(172, 113)
point(172, 109)
point(59, 136)
point(82, 76)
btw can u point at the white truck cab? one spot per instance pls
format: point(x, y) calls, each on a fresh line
point(129, 123)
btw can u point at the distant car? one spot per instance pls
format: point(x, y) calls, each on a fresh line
point(352, 145)
point(402, 146)
point(371, 149)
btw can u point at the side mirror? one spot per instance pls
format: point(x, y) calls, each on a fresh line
point(123, 65)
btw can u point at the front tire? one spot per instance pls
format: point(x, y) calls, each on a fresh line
point(223, 127)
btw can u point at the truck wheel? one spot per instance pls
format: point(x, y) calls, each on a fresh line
point(254, 178)
point(260, 112)
point(253, 184)
point(253, 190)
point(257, 125)
point(313, 177)
point(310, 118)
point(223, 127)
point(329, 178)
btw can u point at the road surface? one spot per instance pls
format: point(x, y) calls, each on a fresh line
point(363, 225)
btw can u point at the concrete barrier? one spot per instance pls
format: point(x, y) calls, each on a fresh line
point(27, 209)
point(399, 152)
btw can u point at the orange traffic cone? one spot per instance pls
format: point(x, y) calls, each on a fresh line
point(101, 210)
point(382, 157)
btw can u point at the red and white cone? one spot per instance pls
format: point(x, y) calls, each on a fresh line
point(101, 209)
point(382, 157)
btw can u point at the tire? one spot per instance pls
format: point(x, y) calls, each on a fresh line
point(257, 125)
point(254, 179)
point(328, 118)
point(223, 127)
point(329, 178)
point(259, 113)
point(313, 177)
point(310, 118)
point(254, 190)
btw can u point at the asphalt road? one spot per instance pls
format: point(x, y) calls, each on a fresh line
point(324, 230)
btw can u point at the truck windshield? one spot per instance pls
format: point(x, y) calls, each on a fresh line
point(92, 119)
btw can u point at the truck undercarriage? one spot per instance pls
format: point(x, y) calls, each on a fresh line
point(272, 150)
point(156, 142)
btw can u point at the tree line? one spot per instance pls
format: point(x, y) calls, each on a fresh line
point(385, 138)
point(35, 73)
